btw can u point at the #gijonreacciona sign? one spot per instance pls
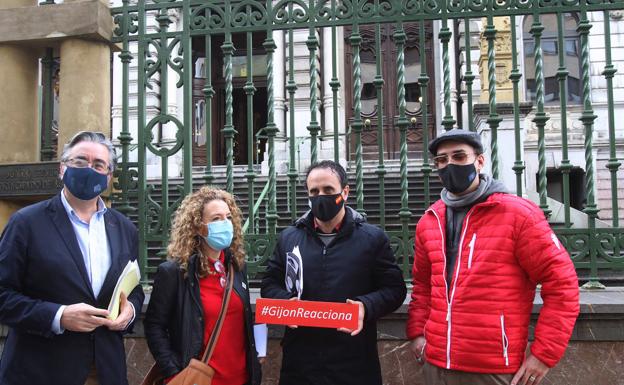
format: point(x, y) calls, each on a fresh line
point(304, 313)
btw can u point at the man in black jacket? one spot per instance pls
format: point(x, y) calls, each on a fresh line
point(343, 259)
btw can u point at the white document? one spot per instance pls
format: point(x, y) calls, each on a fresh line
point(127, 281)
point(260, 336)
point(294, 272)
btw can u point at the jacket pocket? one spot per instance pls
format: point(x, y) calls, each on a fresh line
point(504, 340)
point(471, 245)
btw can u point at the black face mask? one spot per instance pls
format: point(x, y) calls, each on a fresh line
point(326, 207)
point(457, 178)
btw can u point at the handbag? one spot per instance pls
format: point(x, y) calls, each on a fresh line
point(197, 372)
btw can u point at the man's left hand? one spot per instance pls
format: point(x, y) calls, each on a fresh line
point(126, 313)
point(531, 372)
point(360, 319)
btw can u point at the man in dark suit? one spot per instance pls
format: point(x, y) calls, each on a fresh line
point(59, 262)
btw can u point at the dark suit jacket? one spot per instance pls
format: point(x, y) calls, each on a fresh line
point(42, 268)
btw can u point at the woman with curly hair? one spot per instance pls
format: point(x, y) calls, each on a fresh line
point(188, 290)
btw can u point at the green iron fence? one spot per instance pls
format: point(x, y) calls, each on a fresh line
point(213, 27)
point(48, 131)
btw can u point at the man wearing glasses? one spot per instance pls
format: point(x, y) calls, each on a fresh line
point(61, 259)
point(479, 254)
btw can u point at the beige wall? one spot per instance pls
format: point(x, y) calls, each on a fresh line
point(16, 3)
point(18, 107)
point(18, 99)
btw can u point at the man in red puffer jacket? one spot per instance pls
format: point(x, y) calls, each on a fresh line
point(480, 252)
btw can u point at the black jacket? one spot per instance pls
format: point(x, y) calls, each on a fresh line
point(174, 321)
point(42, 268)
point(358, 264)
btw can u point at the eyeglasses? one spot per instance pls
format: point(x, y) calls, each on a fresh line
point(220, 269)
point(441, 161)
point(81, 162)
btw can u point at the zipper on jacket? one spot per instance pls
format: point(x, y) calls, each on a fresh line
point(471, 245)
point(504, 339)
point(449, 301)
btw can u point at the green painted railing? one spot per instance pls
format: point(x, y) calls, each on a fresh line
point(251, 220)
point(48, 142)
point(48, 150)
point(165, 34)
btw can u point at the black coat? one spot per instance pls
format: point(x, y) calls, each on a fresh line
point(42, 268)
point(359, 265)
point(174, 321)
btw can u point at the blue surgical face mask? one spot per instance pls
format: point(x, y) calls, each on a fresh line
point(84, 183)
point(220, 234)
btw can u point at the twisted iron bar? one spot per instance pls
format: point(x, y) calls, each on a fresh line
point(270, 131)
point(445, 36)
point(493, 118)
point(356, 40)
point(228, 128)
point(540, 118)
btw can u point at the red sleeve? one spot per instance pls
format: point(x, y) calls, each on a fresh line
point(419, 306)
point(547, 262)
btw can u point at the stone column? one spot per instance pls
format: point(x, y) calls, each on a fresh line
point(84, 101)
point(504, 103)
point(85, 88)
point(18, 98)
point(279, 94)
point(279, 75)
point(327, 47)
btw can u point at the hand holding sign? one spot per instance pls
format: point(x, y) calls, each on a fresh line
point(293, 326)
point(360, 319)
point(335, 315)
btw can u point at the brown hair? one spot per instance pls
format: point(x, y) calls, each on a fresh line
point(185, 240)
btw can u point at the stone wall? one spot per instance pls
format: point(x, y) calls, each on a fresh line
point(595, 355)
point(596, 363)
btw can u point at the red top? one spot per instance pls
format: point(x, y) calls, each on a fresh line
point(480, 322)
point(229, 356)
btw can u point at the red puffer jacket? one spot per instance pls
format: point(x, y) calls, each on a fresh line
point(480, 322)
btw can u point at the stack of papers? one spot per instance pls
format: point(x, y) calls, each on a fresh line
point(128, 280)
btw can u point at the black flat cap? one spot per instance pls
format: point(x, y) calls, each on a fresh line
point(457, 135)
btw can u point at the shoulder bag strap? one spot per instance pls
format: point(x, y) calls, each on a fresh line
point(212, 342)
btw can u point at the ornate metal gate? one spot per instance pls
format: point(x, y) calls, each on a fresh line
point(165, 33)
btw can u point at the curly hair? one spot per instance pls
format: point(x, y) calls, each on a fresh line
point(185, 240)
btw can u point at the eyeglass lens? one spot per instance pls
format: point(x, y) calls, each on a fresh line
point(81, 162)
point(458, 157)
